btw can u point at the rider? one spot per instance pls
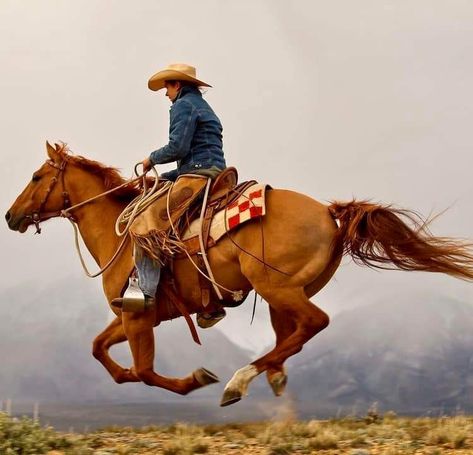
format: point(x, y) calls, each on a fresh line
point(195, 142)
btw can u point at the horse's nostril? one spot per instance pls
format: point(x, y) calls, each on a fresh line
point(8, 216)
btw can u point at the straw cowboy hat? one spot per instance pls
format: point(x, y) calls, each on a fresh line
point(175, 72)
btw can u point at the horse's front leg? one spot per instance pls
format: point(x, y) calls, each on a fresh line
point(113, 334)
point(139, 331)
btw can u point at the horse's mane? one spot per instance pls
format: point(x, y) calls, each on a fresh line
point(110, 176)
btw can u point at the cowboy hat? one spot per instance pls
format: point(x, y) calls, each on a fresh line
point(175, 72)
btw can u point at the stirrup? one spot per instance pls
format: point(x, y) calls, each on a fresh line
point(207, 320)
point(133, 298)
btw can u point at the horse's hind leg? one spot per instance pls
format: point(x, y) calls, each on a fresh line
point(113, 334)
point(283, 328)
point(139, 331)
point(298, 310)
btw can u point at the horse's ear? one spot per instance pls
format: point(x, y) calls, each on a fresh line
point(52, 153)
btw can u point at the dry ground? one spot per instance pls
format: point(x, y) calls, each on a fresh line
point(373, 434)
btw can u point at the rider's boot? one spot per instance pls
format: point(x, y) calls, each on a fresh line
point(207, 320)
point(133, 299)
point(133, 305)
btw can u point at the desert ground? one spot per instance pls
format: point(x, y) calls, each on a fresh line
point(372, 434)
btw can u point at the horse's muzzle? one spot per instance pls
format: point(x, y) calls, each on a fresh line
point(16, 223)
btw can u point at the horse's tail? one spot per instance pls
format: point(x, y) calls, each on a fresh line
point(388, 238)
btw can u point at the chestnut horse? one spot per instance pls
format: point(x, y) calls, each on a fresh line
point(303, 246)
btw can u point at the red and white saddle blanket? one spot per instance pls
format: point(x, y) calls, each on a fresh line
point(251, 204)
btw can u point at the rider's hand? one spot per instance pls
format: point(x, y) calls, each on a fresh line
point(147, 165)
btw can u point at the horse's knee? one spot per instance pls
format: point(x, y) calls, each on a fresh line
point(97, 348)
point(323, 320)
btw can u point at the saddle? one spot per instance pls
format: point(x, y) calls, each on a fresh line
point(158, 231)
point(158, 228)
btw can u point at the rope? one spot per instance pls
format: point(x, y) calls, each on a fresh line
point(128, 215)
point(81, 258)
point(131, 211)
point(138, 205)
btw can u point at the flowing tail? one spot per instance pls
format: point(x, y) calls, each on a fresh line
point(384, 237)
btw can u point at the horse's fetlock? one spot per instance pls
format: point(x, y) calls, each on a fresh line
point(145, 376)
point(120, 379)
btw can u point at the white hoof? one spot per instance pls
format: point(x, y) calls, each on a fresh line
point(238, 385)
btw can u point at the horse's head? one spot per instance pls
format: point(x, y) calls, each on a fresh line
point(44, 197)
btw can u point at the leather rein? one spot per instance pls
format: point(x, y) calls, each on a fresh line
point(38, 216)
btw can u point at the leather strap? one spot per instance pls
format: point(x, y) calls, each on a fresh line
point(207, 221)
point(203, 281)
point(180, 305)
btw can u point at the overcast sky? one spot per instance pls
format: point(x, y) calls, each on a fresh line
point(337, 99)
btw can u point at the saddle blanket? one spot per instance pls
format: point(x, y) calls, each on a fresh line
point(251, 204)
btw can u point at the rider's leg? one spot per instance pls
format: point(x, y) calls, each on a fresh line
point(149, 273)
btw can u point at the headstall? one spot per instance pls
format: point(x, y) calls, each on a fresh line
point(38, 215)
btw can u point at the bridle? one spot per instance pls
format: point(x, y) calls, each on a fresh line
point(38, 215)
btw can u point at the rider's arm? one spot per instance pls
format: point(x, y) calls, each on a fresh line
point(181, 131)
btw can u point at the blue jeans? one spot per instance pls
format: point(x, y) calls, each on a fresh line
point(149, 272)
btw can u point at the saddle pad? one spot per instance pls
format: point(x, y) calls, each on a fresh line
point(250, 204)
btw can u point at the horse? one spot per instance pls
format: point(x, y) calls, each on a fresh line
point(302, 245)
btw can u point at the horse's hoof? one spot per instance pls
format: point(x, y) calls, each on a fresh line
point(230, 397)
point(205, 377)
point(278, 383)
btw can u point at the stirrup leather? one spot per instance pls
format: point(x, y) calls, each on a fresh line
point(133, 298)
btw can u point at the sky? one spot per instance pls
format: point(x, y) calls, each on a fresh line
point(369, 99)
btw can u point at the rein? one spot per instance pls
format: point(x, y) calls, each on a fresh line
point(138, 205)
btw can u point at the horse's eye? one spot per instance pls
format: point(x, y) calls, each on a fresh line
point(35, 177)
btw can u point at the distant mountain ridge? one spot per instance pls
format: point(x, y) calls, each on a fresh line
point(414, 355)
point(46, 349)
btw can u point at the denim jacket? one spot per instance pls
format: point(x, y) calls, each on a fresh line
point(195, 136)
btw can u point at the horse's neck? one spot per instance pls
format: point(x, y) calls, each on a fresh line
point(96, 222)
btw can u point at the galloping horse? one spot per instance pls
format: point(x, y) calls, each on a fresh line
point(303, 246)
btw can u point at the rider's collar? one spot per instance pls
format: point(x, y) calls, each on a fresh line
point(185, 90)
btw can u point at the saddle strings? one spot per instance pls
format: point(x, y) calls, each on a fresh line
point(236, 295)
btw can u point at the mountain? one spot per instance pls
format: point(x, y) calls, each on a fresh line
point(411, 355)
point(46, 342)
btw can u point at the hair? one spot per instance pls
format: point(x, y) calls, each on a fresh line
point(109, 175)
point(185, 84)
